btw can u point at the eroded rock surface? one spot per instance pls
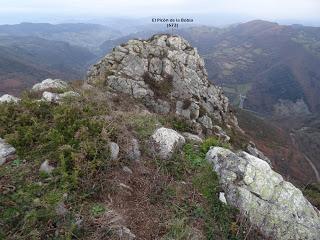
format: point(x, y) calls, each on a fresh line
point(168, 75)
point(271, 204)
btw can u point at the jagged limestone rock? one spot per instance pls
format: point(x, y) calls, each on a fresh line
point(276, 207)
point(6, 151)
point(168, 74)
point(50, 84)
point(164, 142)
point(6, 98)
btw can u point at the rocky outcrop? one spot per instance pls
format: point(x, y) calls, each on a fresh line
point(50, 84)
point(273, 205)
point(6, 151)
point(165, 142)
point(168, 75)
point(6, 98)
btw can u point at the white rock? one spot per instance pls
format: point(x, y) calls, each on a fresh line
point(164, 142)
point(222, 198)
point(277, 208)
point(50, 97)
point(46, 168)
point(114, 150)
point(6, 151)
point(50, 84)
point(6, 98)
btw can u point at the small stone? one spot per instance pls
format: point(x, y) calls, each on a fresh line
point(114, 150)
point(46, 168)
point(222, 198)
point(127, 170)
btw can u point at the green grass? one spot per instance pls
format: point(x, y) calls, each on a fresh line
point(219, 219)
point(72, 139)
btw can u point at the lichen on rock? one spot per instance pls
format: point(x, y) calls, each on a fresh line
point(273, 205)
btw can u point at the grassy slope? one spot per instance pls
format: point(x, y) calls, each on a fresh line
point(176, 199)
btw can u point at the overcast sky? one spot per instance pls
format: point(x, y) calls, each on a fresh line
point(52, 10)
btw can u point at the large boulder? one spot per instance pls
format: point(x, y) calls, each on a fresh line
point(6, 151)
point(164, 142)
point(6, 98)
point(273, 205)
point(50, 84)
point(168, 75)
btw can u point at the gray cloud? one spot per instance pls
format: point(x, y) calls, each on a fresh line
point(271, 9)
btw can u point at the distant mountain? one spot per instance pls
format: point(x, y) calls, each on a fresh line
point(90, 36)
point(275, 67)
point(27, 60)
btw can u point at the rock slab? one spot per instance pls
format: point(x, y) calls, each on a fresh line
point(276, 207)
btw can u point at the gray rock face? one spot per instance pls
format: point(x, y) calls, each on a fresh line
point(275, 206)
point(164, 142)
point(6, 151)
point(168, 75)
point(6, 98)
point(50, 84)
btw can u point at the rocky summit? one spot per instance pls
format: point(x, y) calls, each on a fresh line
point(168, 75)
